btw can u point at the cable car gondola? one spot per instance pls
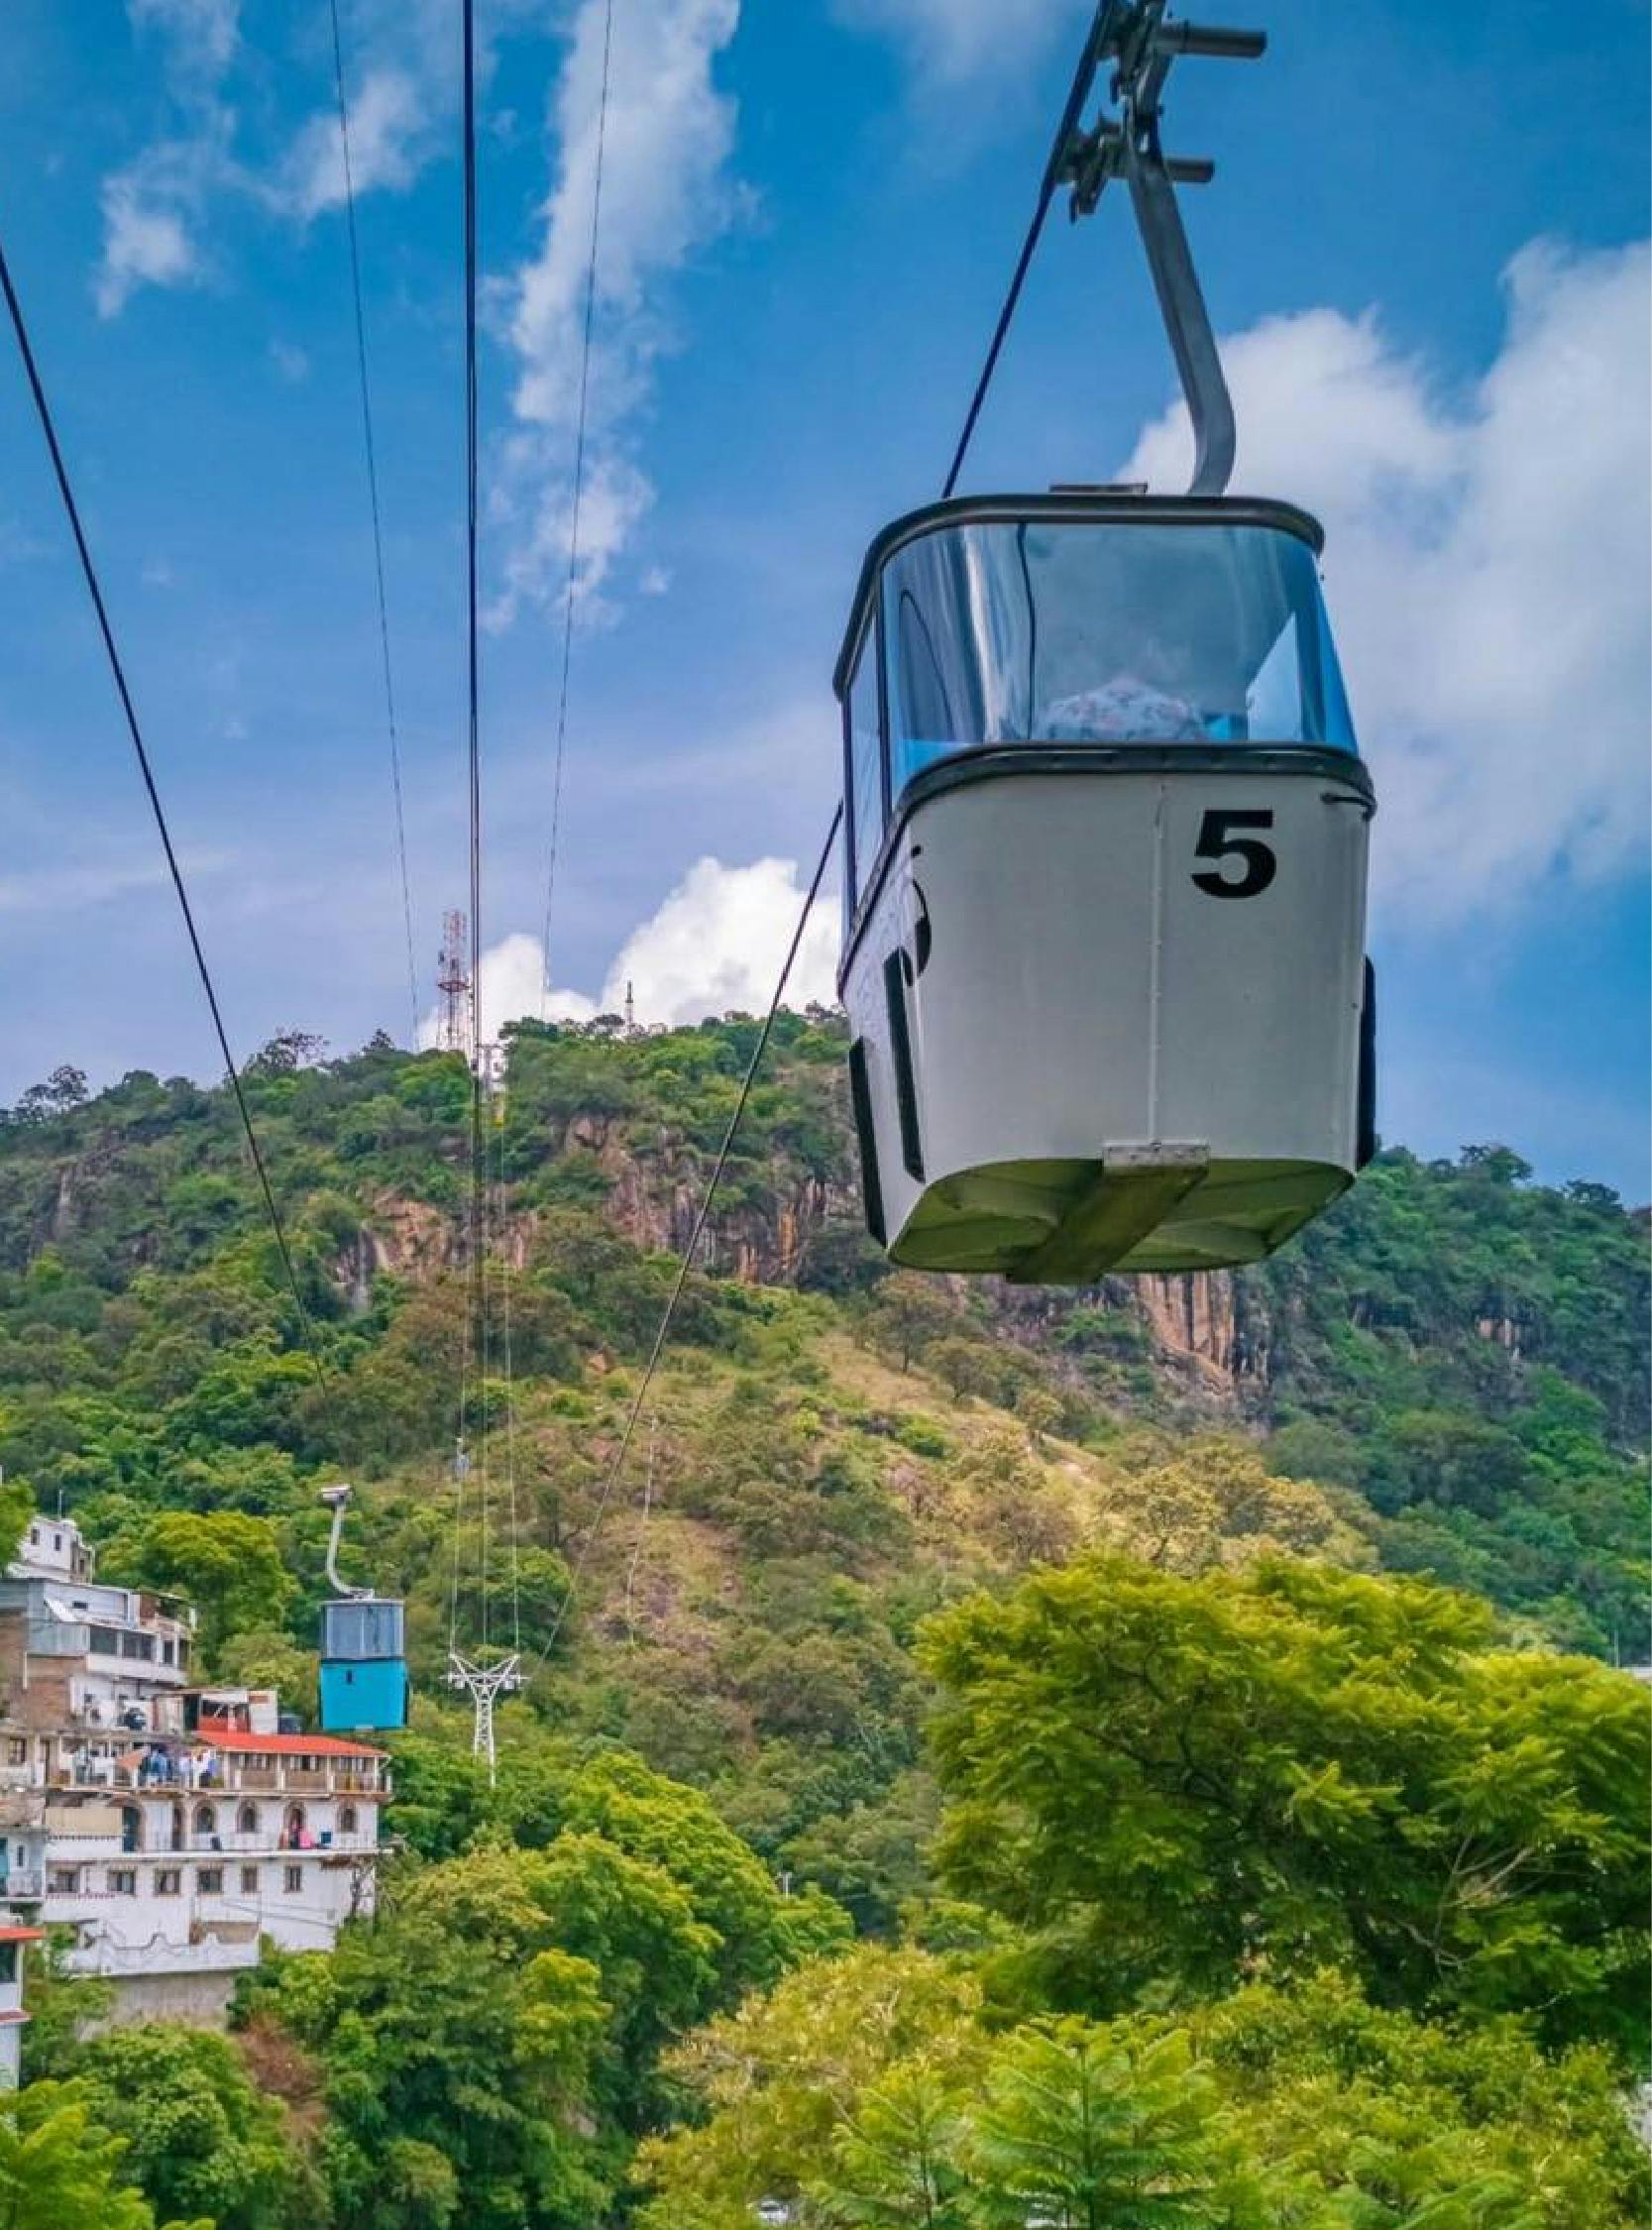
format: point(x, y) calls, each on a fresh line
point(1106, 829)
point(364, 1658)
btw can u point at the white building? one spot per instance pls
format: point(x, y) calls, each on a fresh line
point(171, 1825)
point(13, 1940)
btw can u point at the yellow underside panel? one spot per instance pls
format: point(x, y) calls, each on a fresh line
point(1065, 1223)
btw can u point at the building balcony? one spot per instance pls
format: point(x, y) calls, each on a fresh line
point(22, 1885)
point(192, 1778)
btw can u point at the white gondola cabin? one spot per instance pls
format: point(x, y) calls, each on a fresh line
point(1105, 835)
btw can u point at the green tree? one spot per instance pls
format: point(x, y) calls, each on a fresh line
point(199, 2138)
point(227, 1564)
point(265, 1657)
point(61, 2171)
point(60, 2007)
point(17, 1507)
point(1172, 1781)
point(770, 2086)
point(894, 2161)
point(1080, 2130)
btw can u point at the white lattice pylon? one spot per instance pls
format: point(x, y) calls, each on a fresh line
point(482, 1684)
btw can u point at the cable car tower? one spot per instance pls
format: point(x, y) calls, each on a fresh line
point(1106, 823)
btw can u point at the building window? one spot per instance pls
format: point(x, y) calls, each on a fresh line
point(64, 1881)
point(122, 1881)
point(210, 1881)
point(347, 1820)
point(292, 1879)
point(246, 1820)
point(16, 1750)
point(105, 1641)
point(169, 1882)
point(249, 1881)
point(168, 1653)
point(206, 1820)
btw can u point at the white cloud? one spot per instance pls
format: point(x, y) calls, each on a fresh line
point(291, 362)
point(148, 240)
point(153, 206)
point(201, 33)
point(717, 942)
point(666, 191)
point(74, 885)
point(513, 988)
point(951, 40)
point(1487, 571)
point(387, 127)
point(715, 946)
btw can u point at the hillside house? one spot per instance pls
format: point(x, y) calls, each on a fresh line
point(172, 1825)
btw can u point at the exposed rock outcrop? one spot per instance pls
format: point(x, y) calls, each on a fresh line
point(1200, 1317)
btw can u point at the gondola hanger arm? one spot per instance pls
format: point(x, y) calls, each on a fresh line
point(1141, 47)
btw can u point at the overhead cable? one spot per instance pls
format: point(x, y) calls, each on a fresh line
point(1083, 78)
point(373, 499)
point(477, 1342)
point(117, 668)
point(576, 502)
point(611, 1478)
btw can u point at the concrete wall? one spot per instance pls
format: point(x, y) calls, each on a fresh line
point(201, 2000)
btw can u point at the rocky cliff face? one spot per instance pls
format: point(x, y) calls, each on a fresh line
point(1201, 1318)
point(1203, 1325)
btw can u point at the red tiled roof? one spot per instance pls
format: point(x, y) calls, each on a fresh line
point(20, 1935)
point(285, 1745)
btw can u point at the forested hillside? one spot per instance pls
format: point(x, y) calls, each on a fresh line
point(1071, 1651)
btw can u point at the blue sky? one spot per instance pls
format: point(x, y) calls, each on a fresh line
point(1426, 243)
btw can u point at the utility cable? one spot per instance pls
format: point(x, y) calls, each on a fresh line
point(373, 499)
point(1083, 78)
point(478, 1343)
point(88, 568)
point(611, 1478)
point(509, 1392)
point(577, 501)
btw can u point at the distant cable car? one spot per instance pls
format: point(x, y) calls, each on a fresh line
point(1106, 829)
point(363, 1662)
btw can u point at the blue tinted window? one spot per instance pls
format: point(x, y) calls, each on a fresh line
point(865, 763)
point(1105, 631)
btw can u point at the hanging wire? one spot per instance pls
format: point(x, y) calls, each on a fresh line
point(509, 1390)
point(117, 668)
point(1083, 78)
point(578, 498)
point(378, 535)
point(611, 1478)
point(477, 1342)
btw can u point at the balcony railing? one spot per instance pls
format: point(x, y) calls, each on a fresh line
point(244, 1780)
point(22, 1884)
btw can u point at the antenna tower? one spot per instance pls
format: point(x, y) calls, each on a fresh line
point(454, 1018)
point(631, 1010)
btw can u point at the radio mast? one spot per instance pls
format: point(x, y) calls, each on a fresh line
point(455, 1015)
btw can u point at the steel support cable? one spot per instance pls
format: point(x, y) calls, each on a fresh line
point(510, 1388)
point(577, 501)
point(611, 1478)
point(372, 499)
point(1082, 79)
point(477, 1344)
point(42, 411)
